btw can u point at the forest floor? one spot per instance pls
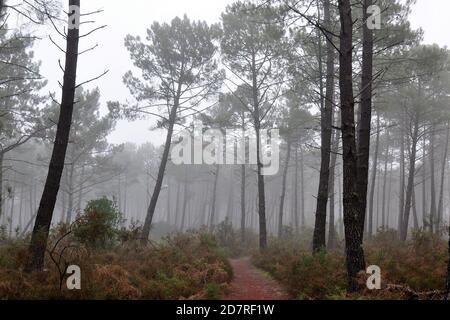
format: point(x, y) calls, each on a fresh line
point(250, 283)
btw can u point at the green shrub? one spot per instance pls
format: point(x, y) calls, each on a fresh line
point(98, 226)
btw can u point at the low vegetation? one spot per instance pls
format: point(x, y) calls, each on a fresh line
point(114, 266)
point(415, 270)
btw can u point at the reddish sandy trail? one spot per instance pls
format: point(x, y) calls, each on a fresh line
point(250, 283)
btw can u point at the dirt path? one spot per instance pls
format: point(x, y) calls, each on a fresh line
point(250, 283)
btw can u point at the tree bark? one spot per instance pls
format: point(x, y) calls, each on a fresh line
point(440, 214)
point(161, 172)
point(45, 212)
point(373, 179)
point(296, 224)
point(319, 238)
point(283, 190)
point(243, 181)
point(302, 188)
point(212, 215)
point(364, 128)
point(352, 210)
point(386, 161)
point(332, 241)
point(1, 183)
point(411, 175)
point(432, 182)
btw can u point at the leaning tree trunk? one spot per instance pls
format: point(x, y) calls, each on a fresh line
point(352, 211)
point(161, 172)
point(319, 238)
point(44, 215)
point(411, 175)
point(283, 190)
point(373, 180)
point(401, 199)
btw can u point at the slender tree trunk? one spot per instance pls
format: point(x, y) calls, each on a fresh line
point(414, 207)
point(411, 175)
point(401, 200)
point(212, 215)
point(81, 188)
point(332, 241)
point(177, 206)
point(283, 190)
point(296, 224)
point(319, 238)
point(302, 188)
point(70, 196)
point(243, 181)
point(425, 221)
point(47, 205)
point(352, 210)
point(373, 179)
point(389, 197)
point(261, 186)
point(432, 183)
point(448, 270)
point(386, 161)
point(1, 183)
point(21, 209)
point(440, 214)
point(185, 201)
point(11, 213)
point(161, 171)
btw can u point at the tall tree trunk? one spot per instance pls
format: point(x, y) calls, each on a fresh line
point(70, 195)
point(212, 215)
point(1, 183)
point(161, 171)
point(47, 205)
point(373, 179)
point(11, 213)
point(81, 188)
point(296, 224)
point(448, 270)
point(414, 207)
point(364, 128)
point(302, 188)
point(243, 181)
point(353, 232)
point(185, 201)
point(432, 182)
point(261, 194)
point(283, 190)
point(332, 241)
point(261, 186)
point(411, 175)
point(440, 214)
point(401, 200)
point(319, 238)
point(425, 221)
point(386, 162)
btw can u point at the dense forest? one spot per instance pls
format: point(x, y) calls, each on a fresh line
point(305, 138)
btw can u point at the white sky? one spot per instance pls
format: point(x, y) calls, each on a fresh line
point(137, 15)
